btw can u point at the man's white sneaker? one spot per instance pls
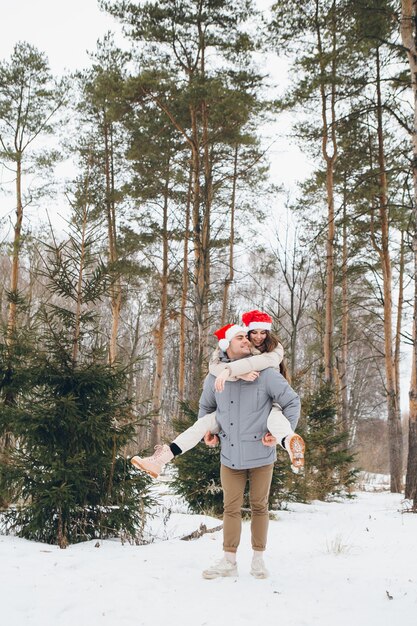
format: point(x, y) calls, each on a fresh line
point(154, 464)
point(258, 569)
point(220, 569)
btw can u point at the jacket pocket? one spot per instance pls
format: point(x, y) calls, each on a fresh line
point(253, 449)
point(249, 397)
point(224, 444)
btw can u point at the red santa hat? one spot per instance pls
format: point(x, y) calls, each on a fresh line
point(257, 319)
point(226, 334)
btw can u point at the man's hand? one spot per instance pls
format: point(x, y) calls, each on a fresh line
point(269, 440)
point(251, 376)
point(221, 379)
point(211, 440)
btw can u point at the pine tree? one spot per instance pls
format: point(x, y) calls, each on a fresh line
point(329, 467)
point(16, 379)
point(68, 474)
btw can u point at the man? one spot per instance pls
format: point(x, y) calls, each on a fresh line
point(242, 410)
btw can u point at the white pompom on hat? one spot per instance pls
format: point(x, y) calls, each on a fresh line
point(226, 334)
point(257, 320)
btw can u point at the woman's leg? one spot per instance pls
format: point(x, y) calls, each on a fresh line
point(190, 437)
point(278, 425)
point(154, 464)
point(280, 428)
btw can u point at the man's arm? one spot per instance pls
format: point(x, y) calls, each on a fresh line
point(207, 402)
point(283, 394)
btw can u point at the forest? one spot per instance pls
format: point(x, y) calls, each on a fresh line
point(175, 226)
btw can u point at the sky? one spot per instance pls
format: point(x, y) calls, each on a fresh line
point(64, 30)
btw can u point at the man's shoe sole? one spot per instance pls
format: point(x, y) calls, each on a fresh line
point(259, 575)
point(225, 575)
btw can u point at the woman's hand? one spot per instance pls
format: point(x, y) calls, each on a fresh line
point(250, 376)
point(211, 440)
point(269, 440)
point(221, 379)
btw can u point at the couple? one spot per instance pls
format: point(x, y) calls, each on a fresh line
point(241, 412)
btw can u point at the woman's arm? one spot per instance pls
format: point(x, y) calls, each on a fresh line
point(257, 363)
point(242, 367)
point(217, 367)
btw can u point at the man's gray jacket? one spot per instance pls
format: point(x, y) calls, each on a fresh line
point(242, 411)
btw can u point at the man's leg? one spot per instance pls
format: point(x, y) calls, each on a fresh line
point(233, 484)
point(259, 485)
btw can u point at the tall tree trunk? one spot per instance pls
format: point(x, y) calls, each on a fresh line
point(205, 269)
point(9, 396)
point(184, 298)
point(294, 307)
point(199, 283)
point(115, 287)
point(330, 156)
point(229, 279)
point(159, 332)
point(133, 357)
point(79, 302)
point(411, 476)
point(409, 39)
point(397, 348)
point(14, 281)
point(343, 371)
point(394, 415)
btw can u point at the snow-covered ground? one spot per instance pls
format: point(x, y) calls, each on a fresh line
point(331, 564)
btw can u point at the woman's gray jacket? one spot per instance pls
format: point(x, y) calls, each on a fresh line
point(242, 411)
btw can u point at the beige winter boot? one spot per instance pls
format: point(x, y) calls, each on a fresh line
point(154, 464)
point(295, 446)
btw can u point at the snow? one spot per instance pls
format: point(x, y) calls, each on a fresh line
point(331, 564)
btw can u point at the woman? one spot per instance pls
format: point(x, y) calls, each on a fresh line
point(267, 352)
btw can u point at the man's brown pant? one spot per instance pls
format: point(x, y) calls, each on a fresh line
point(233, 484)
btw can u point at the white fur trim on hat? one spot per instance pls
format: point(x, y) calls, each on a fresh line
point(224, 344)
point(231, 332)
point(260, 325)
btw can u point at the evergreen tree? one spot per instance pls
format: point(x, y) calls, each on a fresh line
point(68, 474)
point(329, 467)
point(16, 378)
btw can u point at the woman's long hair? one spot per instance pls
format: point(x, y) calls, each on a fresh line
point(270, 343)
